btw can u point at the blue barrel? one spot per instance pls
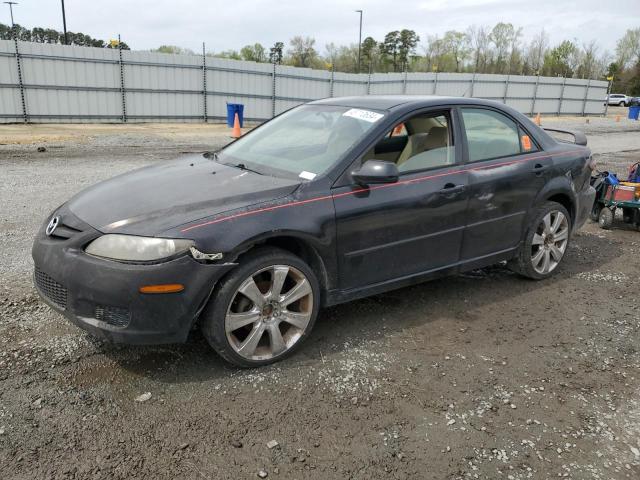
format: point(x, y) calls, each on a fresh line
point(634, 112)
point(232, 109)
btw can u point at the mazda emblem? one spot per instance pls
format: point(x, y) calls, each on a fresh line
point(53, 224)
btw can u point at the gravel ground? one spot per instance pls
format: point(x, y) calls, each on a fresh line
point(483, 375)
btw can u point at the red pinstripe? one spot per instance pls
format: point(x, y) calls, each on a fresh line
point(375, 187)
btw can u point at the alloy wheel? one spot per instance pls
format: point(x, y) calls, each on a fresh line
point(549, 242)
point(269, 312)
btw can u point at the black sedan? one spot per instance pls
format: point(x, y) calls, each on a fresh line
point(330, 201)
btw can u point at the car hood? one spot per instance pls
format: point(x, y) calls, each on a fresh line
point(154, 199)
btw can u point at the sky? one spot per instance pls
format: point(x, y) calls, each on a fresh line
point(231, 24)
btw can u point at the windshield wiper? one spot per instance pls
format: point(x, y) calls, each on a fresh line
point(242, 166)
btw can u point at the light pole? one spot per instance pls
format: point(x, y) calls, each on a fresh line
point(11, 4)
point(359, 38)
point(64, 24)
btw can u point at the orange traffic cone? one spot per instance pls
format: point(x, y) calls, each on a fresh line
point(237, 133)
point(538, 121)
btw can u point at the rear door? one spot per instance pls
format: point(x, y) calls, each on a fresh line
point(396, 230)
point(506, 171)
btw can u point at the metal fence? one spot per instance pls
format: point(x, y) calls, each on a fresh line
point(59, 83)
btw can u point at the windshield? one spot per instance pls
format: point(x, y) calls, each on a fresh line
point(301, 143)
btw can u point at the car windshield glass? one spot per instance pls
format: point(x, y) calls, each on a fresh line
point(301, 143)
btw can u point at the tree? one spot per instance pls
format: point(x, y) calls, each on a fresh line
point(535, 53)
point(628, 49)
point(369, 51)
point(254, 53)
point(275, 53)
point(407, 42)
point(435, 54)
point(391, 48)
point(230, 54)
point(174, 50)
point(559, 60)
point(479, 41)
point(49, 35)
point(502, 36)
point(302, 52)
point(457, 44)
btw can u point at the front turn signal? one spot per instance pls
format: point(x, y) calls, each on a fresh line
point(164, 288)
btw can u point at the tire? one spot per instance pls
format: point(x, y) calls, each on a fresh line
point(605, 220)
point(543, 248)
point(263, 335)
point(595, 212)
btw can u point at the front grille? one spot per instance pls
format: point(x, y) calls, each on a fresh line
point(64, 232)
point(116, 316)
point(51, 289)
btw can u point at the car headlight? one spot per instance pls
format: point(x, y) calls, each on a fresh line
point(136, 249)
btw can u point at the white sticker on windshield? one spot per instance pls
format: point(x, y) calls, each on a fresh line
point(307, 175)
point(366, 115)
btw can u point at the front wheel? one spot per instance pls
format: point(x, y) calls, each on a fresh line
point(545, 242)
point(262, 311)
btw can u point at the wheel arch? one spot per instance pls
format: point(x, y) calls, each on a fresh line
point(566, 201)
point(559, 190)
point(296, 244)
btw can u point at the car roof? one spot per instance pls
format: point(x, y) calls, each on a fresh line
point(388, 102)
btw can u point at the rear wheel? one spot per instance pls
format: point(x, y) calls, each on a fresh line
point(545, 242)
point(263, 310)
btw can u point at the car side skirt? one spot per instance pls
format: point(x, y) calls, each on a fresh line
point(335, 297)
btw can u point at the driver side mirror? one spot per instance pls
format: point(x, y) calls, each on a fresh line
point(376, 171)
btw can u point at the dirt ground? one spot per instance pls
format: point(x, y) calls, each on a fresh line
point(483, 375)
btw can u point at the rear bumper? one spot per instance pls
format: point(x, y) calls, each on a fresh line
point(102, 296)
point(584, 205)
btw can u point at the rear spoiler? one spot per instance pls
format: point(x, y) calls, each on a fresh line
point(579, 138)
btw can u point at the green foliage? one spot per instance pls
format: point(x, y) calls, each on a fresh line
point(276, 53)
point(302, 52)
point(49, 35)
point(254, 53)
point(174, 49)
point(230, 54)
point(561, 60)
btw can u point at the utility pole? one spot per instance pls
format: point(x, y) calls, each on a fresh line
point(359, 39)
point(64, 24)
point(11, 4)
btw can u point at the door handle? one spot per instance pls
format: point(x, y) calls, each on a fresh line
point(450, 188)
point(539, 168)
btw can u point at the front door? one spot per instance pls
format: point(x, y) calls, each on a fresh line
point(396, 230)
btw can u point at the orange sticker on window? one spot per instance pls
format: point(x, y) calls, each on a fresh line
point(526, 142)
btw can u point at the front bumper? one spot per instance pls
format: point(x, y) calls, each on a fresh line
point(584, 205)
point(102, 296)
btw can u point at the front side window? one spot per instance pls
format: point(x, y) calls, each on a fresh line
point(421, 142)
point(490, 134)
point(303, 142)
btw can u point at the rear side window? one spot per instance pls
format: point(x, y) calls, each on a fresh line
point(492, 135)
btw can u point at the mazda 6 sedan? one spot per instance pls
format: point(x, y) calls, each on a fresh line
point(328, 202)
